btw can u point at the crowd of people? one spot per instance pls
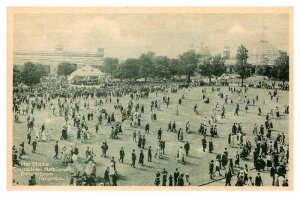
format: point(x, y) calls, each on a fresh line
point(85, 112)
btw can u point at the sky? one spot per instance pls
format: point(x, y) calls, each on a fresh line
point(129, 35)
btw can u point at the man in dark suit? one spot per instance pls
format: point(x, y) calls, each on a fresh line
point(186, 148)
point(133, 158)
point(204, 143)
point(141, 158)
point(34, 145)
point(211, 169)
point(273, 172)
point(56, 150)
point(143, 141)
point(159, 134)
point(122, 154)
point(258, 180)
point(147, 128)
point(228, 176)
point(176, 175)
point(149, 154)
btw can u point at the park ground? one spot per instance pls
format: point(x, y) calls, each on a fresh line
point(196, 163)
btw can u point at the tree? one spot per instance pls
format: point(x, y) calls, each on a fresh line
point(147, 65)
point(129, 69)
point(242, 67)
point(66, 68)
point(189, 61)
point(174, 67)
point(282, 67)
point(31, 73)
point(162, 67)
point(16, 75)
point(213, 68)
point(110, 65)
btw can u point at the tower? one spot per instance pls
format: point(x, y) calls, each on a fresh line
point(226, 53)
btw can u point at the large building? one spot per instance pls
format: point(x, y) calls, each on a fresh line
point(264, 53)
point(53, 58)
point(203, 50)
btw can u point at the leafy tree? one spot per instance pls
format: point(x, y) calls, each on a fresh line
point(174, 67)
point(43, 70)
point(110, 65)
point(282, 67)
point(147, 65)
point(242, 67)
point(129, 69)
point(189, 61)
point(16, 75)
point(32, 73)
point(66, 68)
point(213, 68)
point(162, 67)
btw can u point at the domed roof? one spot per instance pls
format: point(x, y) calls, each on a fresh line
point(263, 53)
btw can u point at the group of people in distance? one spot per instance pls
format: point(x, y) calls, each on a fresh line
point(117, 109)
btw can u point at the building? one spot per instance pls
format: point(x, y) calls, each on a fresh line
point(53, 58)
point(226, 53)
point(264, 53)
point(203, 50)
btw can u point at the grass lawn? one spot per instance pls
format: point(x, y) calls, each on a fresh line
point(196, 164)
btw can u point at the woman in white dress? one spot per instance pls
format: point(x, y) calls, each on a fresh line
point(63, 155)
point(44, 136)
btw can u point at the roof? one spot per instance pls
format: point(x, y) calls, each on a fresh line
point(86, 71)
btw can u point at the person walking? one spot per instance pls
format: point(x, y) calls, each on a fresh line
point(56, 150)
point(133, 158)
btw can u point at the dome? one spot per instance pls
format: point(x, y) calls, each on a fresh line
point(263, 53)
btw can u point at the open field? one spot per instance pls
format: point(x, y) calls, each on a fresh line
point(197, 161)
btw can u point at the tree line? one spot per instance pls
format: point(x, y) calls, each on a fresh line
point(150, 66)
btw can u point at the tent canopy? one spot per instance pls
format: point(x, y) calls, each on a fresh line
point(86, 71)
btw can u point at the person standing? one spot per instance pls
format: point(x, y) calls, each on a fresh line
point(159, 134)
point(97, 128)
point(258, 180)
point(56, 150)
point(204, 143)
point(149, 154)
point(141, 158)
point(143, 142)
point(273, 173)
point(157, 179)
point(180, 181)
point(186, 148)
point(106, 176)
point(29, 137)
point(228, 176)
point(211, 169)
point(133, 158)
point(147, 128)
point(176, 175)
point(170, 180)
point(210, 146)
point(34, 145)
point(122, 154)
point(164, 177)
